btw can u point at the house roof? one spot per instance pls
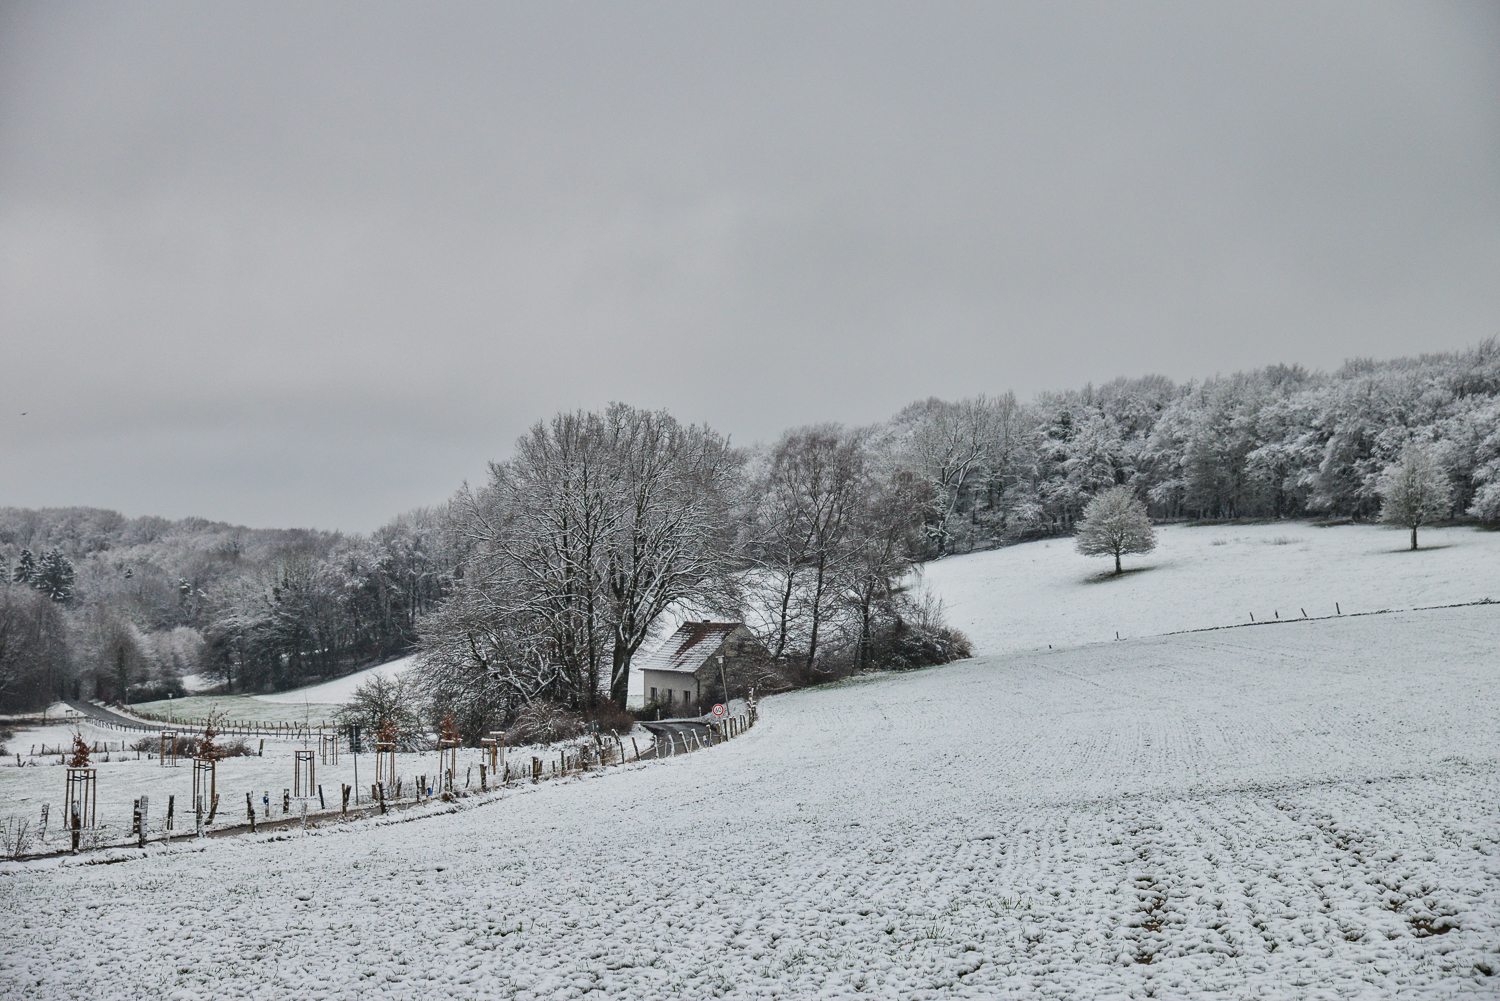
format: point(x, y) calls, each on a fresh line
point(689, 647)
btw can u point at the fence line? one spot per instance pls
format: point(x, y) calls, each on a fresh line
point(605, 752)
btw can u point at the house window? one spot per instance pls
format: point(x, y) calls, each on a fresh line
point(669, 696)
point(653, 695)
point(687, 696)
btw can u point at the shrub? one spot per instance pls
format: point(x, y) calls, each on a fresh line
point(238, 749)
point(611, 718)
point(543, 722)
point(155, 690)
point(15, 837)
point(905, 646)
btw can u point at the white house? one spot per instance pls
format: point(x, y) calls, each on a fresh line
point(689, 664)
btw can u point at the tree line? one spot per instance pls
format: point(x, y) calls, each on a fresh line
point(544, 583)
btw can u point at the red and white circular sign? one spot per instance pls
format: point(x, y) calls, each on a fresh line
point(719, 710)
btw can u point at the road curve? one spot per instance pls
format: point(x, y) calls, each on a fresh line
point(106, 716)
point(676, 736)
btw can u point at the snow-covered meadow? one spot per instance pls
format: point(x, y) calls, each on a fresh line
point(122, 777)
point(1299, 810)
point(1028, 596)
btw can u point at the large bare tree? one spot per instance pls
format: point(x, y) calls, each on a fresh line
point(597, 525)
point(807, 499)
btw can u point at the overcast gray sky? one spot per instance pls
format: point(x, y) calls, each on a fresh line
point(314, 265)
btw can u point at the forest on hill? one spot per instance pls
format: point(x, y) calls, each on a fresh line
point(545, 581)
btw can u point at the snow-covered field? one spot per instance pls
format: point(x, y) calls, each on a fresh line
point(1025, 597)
point(339, 690)
point(311, 704)
point(1291, 811)
point(123, 777)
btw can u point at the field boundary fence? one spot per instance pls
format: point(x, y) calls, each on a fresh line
point(593, 754)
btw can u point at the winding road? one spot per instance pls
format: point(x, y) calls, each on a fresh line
point(676, 736)
point(110, 718)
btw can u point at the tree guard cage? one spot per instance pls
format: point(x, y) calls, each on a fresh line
point(167, 755)
point(205, 784)
point(447, 764)
point(303, 781)
point(82, 798)
point(328, 748)
point(385, 762)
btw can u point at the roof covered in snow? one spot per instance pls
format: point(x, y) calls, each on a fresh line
point(689, 647)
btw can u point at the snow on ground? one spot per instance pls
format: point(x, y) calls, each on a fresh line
point(1302, 810)
point(311, 704)
point(340, 690)
point(195, 684)
point(121, 777)
point(1025, 597)
point(234, 707)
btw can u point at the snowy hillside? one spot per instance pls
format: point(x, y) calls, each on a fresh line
point(1025, 597)
point(1292, 811)
point(339, 690)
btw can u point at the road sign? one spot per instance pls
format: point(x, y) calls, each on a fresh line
point(719, 710)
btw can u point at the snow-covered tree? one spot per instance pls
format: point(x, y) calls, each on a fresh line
point(54, 576)
point(954, 441)
point(1414, 490)
point(25, 567)
point(803, 527)
point(1115, 523)
point(594, 528)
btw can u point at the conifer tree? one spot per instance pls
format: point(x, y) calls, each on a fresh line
point(25, 567)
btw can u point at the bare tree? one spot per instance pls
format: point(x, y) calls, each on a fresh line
point(670, 539)
point(888, 524)
point(584, 537)
point(542, 528)
point(956, 440)
point(805, 519)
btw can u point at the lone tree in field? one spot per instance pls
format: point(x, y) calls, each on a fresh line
point(1414, 490)
point(1115, 523)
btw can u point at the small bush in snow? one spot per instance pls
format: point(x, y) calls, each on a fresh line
point(543, 722)
point(15, 837)
point(611, 718)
